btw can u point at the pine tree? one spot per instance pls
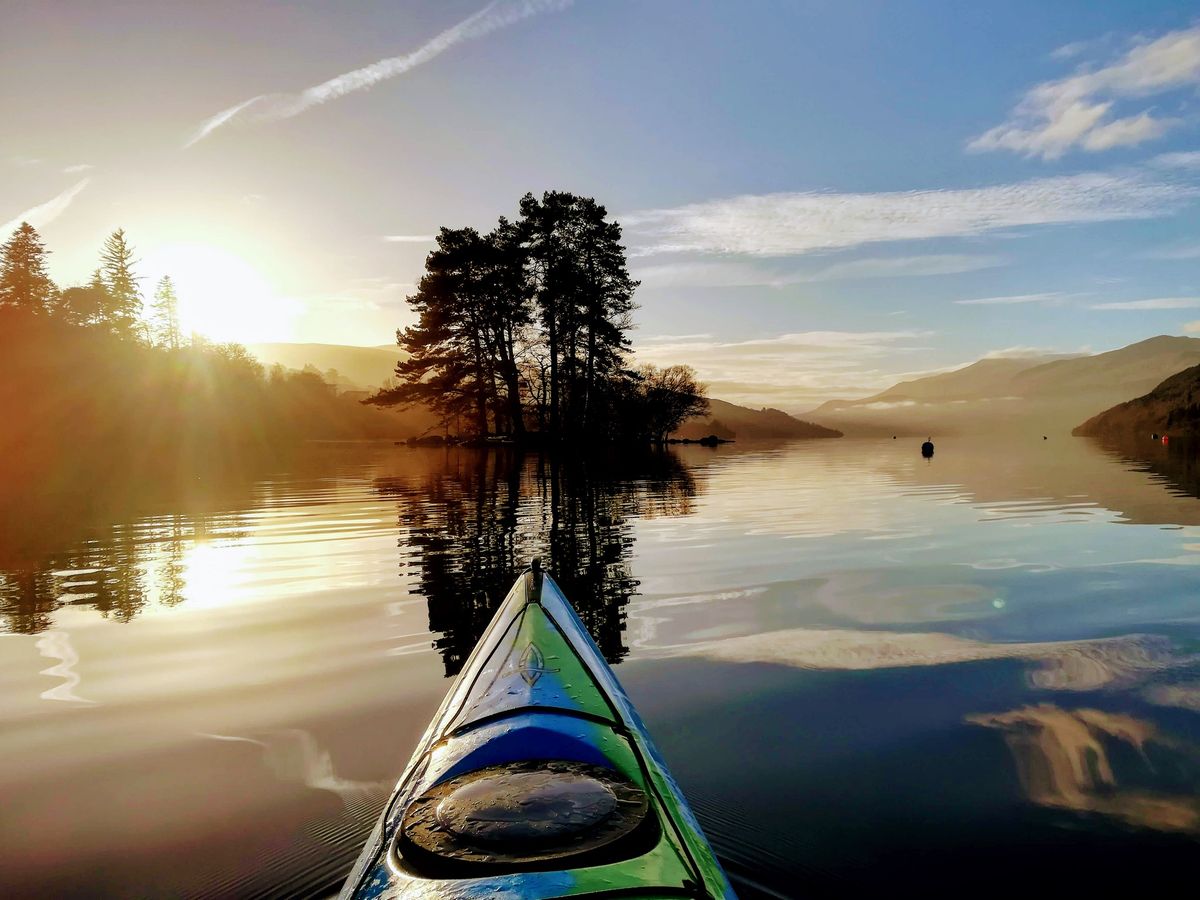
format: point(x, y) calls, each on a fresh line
point(166, 315)
point(449, 365)
point(584, 296)
point(121, 284)
point(23, 279)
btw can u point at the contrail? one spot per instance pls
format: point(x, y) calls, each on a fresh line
point(44, 213)
point(271, 107)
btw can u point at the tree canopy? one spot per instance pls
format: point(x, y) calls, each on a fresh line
point(165, 321)
point(121, 283)
point(526, 328)
point(24, 282)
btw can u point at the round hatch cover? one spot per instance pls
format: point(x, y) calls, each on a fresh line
point(515, 807)
point(523, 812)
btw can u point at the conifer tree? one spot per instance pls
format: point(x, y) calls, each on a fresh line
point(23, 279)
point(472, 305)
point(584, 296)
point(121, 284)
point(166, 315)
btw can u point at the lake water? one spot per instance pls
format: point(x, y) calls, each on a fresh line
point(867, 670)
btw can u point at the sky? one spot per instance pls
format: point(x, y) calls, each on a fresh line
point(820, 198)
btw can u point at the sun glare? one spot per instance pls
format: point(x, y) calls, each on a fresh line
point(221, 295)
point(215, 575)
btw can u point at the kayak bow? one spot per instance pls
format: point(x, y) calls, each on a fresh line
point(535, 780)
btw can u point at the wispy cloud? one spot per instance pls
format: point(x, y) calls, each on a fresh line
point(1192, 327)
point(77, 168)
point(902, 266)
point(1028, 352)
point(269, 107)
point(1049, 297)
point(795, 371)
point(45, 213)
point(1175, 251)
point(1071, 50)
point(787, 224)
point(1079, 111)
point(726, 273)
point(735, 273)
point(1153, 303)
point(409, 238)
point(673, 338)
point(1189, 159)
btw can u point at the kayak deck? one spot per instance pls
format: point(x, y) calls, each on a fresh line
point(536, 779)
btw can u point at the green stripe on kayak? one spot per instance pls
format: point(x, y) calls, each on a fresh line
point(535, 688)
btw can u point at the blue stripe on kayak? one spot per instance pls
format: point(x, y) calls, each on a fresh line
point(526, 741)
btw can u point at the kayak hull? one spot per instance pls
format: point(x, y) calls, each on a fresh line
point(536, 688)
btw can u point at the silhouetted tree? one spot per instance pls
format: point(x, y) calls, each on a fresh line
point(241, 363)
point(550, 270)
point(508, 314)
point(527, 323)
point(471, 304)
point(166, 314)
point(121, 285)
point(584, 295)
point(446, 366)
point(24, 282)
point(86, 305)
point(669, 396)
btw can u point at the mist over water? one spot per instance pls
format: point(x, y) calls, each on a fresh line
point(861, 665)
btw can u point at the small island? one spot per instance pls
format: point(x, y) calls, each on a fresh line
point(522, 336)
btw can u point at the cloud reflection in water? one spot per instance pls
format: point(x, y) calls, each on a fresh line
point(1066, 760)
point(1081, 665)
point(57, 645)
point(295, 756)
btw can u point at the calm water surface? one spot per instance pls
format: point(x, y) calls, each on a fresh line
point(867, 670)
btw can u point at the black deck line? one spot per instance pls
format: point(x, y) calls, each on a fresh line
point(617, 726)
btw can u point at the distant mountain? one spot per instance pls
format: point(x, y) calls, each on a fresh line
point(358, 368)
point(1172, 408)
point(1046, 393)
point(979, 380)
point(366, 368)
point(730, 421)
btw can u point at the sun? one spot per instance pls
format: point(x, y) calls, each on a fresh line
point(221, 295)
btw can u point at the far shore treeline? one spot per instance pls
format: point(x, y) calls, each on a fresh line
point(523, 332)
point(95, 381)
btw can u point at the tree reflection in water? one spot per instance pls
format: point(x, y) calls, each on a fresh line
point(470, 525)
point(117, 570)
